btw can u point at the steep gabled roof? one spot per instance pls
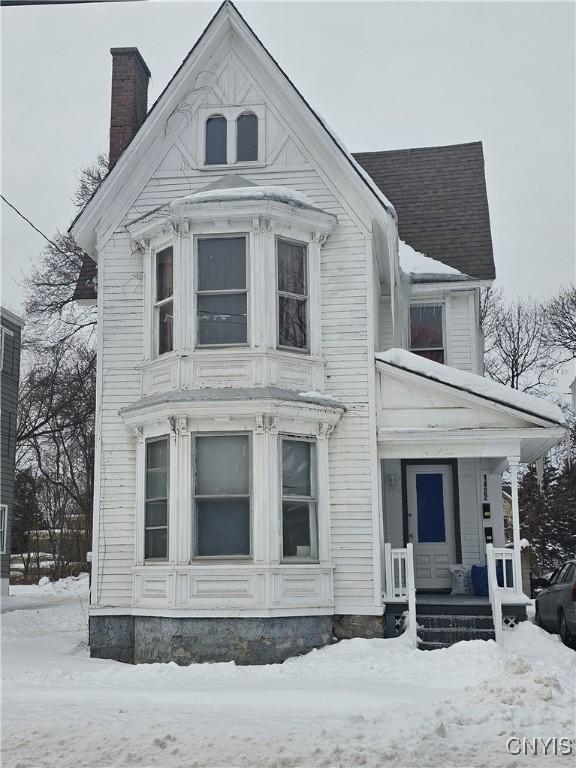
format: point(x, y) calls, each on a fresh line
point(228, 11)
point(439, 194)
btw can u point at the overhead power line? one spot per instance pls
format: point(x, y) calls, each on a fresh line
point(34, 227)
point(62, 2)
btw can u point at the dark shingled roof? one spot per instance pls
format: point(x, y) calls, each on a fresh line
point(87, 280)
point(440, 197)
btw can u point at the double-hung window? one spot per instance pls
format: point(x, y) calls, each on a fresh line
point(156, 498)
point(164, 301)
point(222, 495)
point(222, 296)
point(292, 294)
point(427, 331)
point(3, 527)
point(299, 503)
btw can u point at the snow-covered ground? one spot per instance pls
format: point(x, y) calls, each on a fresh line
point(357, 703)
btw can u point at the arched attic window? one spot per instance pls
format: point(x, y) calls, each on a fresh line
point(246, 137)
point(216, 140)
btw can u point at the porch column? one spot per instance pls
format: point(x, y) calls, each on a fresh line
point(513, 462)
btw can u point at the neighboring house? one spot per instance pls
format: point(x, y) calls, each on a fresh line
point(10, 337)
point(292, 423)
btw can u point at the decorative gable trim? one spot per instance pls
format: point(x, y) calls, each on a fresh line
point(91, 228)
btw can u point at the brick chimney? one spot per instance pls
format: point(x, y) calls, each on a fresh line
point(129, 101)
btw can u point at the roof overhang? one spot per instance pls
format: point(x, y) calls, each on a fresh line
point(227, 404)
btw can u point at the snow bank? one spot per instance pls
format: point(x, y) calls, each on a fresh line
point(471, 382)
point(46, 589)
point(414, 263)
point(356, 703)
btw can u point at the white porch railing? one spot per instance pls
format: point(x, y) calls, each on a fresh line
point(501, 561)
point(400, 587)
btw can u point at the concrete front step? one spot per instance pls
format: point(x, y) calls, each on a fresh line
point(447, 637)
point(436, 621)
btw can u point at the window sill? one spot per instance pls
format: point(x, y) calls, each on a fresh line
point(221, 559)
point(233, 166)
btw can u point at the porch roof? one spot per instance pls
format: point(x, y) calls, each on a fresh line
point(473, 384)
point(427, 409)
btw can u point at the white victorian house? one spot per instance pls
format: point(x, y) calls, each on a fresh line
point(295, 440)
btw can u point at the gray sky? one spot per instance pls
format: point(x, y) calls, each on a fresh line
point(384, 75)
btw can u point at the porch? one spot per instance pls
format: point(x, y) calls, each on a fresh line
point(444, 439)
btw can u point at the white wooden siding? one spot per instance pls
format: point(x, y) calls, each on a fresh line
point(344, 319)
point(461, 331)
point(470, 511)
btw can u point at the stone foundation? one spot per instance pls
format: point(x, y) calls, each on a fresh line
point(148, 639)
point(345, 627)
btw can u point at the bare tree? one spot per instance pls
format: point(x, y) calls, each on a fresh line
point(52, 314)
point(562, 321)
point(518, 351)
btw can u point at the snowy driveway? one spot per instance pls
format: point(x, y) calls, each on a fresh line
point(358, 703)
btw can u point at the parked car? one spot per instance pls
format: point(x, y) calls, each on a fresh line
point(556, 603)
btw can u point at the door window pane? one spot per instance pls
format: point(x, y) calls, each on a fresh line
point(430, 508)
point(296, 480)
point(221, 263)
point(216, 140)
point(247, 137)
point(222, 465)
point(223, 527)
point(222, 318)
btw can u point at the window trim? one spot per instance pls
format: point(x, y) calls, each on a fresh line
point(231, 113)
point(194, 550)
point(234, 291)
point(419, 350)
point(285, 348)
point(158, 304)
point(3, 528)
point(312, 501)
point(148, 440)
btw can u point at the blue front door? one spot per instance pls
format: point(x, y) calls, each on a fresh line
point(431, 523)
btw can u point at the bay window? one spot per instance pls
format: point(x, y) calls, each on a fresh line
point(222, 296)
point(292, 284)
point(427, 331)
point(299, 503)
point(156, 498)
point(164, 301)
point(222, 495)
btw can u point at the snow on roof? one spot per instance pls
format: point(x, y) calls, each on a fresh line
point(418, 264)
point(276, 194)
point(473, 383)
